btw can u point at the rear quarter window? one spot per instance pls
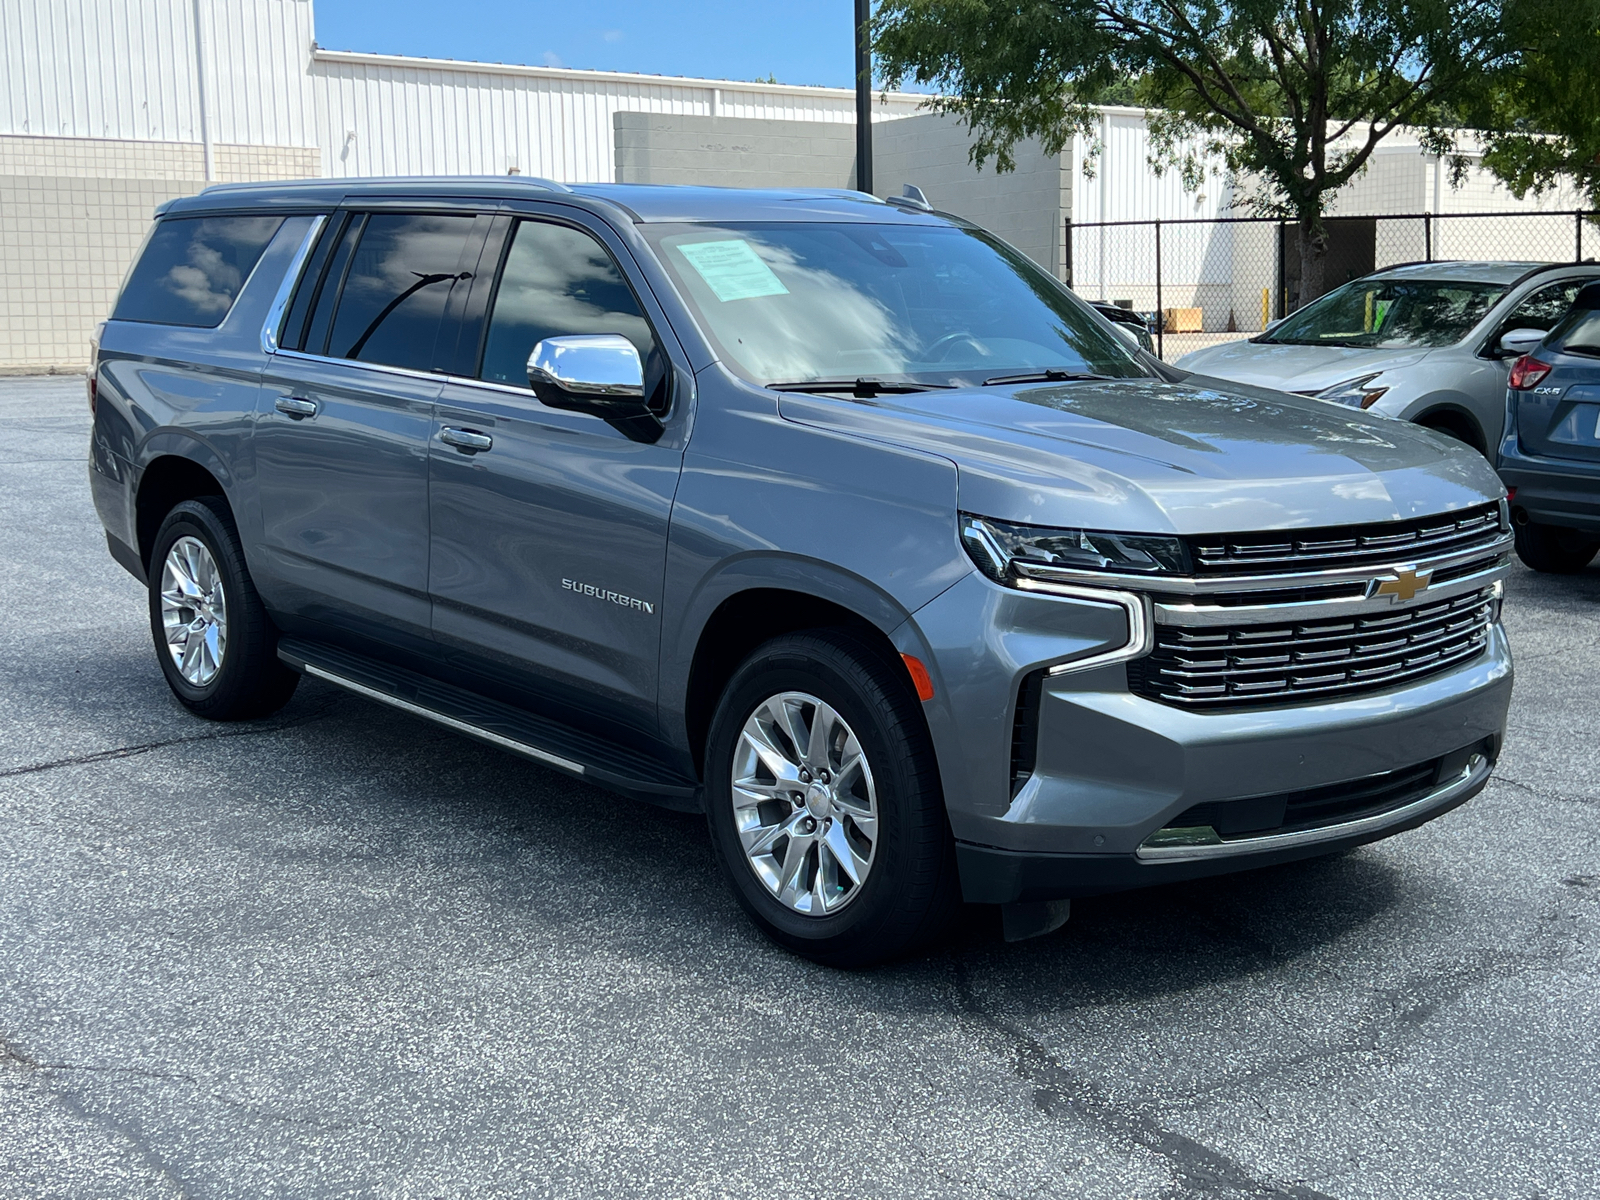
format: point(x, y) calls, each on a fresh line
point(192, 269)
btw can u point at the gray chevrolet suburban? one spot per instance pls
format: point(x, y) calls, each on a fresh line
point(839, 521)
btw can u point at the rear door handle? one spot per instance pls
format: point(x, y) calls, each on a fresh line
point(295, 407)
point(468, 441)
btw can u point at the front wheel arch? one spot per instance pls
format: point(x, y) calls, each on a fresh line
point(1456, 422)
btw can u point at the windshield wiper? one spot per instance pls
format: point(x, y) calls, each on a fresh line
point(1047, 376)
point(861, 389)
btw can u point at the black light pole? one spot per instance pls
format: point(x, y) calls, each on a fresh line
point(864, 96)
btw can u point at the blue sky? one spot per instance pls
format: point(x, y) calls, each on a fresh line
point(799, 41)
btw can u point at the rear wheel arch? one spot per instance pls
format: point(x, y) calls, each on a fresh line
point(166, 482)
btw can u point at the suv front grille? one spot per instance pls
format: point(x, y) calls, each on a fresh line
point(1270, 664)
point(1347, 545)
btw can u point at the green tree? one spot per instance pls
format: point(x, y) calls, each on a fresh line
point(1293, 95)
point(1541, 123)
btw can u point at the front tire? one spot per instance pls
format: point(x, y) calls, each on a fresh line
point(215, 643)
point(1555, 549)
point(824, 802)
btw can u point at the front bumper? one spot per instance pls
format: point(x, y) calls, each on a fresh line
point(1110, 768)
point(993, 876)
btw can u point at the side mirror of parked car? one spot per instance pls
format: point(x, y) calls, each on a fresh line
point(598, 373)
point(1514, 343)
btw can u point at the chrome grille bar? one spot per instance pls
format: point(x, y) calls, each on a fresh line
point(1249, 665)
point(1354, 546)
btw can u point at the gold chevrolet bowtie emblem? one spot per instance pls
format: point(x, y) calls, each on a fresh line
point(1403, 585)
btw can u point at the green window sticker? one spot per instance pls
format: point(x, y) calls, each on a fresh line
point(732, 269)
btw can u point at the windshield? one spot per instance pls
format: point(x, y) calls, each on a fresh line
point(1391, 314)
point(932, 305)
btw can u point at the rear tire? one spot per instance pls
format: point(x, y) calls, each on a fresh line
point(214, 641)
point(866, 870)
point(1555, 549)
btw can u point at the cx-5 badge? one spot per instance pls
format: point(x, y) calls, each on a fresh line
point(1403, 585)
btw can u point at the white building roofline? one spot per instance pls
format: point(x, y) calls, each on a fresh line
point(577, 74)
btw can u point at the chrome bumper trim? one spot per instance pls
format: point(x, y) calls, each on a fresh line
point(1476, 773)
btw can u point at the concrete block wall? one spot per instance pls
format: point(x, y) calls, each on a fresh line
point(734, 151)
point(1027, 207)
point(72, 213)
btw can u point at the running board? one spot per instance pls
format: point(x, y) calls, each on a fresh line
point(548, 742)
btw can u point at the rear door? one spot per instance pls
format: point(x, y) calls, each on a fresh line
point(549, 544)
point(345, 417)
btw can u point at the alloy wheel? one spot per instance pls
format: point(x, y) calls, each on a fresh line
point(805, 805)
point(194, 611)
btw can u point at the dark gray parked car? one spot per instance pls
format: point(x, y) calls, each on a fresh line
point(840, 522)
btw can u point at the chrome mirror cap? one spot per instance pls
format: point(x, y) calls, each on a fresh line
point(587, 365)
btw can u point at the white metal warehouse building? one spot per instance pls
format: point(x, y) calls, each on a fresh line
point(108, 107)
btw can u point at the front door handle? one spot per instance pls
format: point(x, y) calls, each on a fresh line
point(295, 408)
point(468, 441)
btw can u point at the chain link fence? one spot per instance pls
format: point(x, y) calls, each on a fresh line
point(1199, 282)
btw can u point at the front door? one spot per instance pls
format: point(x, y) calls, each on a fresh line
point(549, 541)
point(343, 424)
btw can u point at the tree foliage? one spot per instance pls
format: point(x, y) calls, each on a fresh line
point(1293, 95)
point(1541, 123)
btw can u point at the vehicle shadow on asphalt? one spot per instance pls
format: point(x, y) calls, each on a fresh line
point(651, 877)
point(1136, 945)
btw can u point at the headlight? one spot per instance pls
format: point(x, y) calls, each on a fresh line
point(1005, 552)
point(1357, 393)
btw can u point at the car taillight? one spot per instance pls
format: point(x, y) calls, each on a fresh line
point(1526, 372)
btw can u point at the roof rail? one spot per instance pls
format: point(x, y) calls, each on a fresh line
point(350, 180)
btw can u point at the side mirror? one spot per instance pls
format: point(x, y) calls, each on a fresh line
point(1514, 343)
point(598, 373)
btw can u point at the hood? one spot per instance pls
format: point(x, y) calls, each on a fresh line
point(1294, 368)
point(1155, 457)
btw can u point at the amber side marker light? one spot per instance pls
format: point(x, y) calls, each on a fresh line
point(919, 676)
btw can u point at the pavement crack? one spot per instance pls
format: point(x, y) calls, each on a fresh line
point(1543, 793)
point(78, 760)
point(45, 1075)
point(1198, 1169)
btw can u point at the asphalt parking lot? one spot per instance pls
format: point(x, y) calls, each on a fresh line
point(344, 953)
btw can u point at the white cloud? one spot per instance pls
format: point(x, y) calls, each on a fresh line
point(612, 35)
point(552, 59)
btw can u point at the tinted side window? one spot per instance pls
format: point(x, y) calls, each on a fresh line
point(396, 286)
point(192, 269)
point(559, 280)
